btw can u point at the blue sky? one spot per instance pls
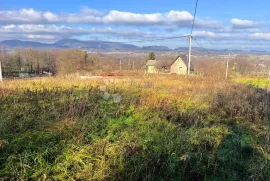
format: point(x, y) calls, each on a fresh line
point(232, 24)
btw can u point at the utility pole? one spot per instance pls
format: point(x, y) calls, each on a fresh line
point(189, 53)
point(227, 67)
point(120, 65)
point(268, 74)
point(132, 64)
point(1, 77)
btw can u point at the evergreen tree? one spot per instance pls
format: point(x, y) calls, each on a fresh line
point(151, 56)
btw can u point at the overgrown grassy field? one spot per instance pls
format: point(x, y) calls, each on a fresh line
point(161, 128)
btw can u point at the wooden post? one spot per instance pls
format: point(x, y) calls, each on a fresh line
point(227, 67)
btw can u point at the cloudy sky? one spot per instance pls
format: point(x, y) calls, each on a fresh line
point(231, 24)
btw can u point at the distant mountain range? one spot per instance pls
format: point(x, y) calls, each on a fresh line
point(103, 46)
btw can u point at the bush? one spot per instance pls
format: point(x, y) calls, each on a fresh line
point(240, 101)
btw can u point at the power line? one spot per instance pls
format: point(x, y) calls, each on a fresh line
point(167, 38)
point(194, 17)
point(198, 43)
point(201, 46)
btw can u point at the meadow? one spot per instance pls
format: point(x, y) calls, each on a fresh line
point(159, 128)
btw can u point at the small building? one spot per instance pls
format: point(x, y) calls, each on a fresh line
point(151, 66)
point(179, 65)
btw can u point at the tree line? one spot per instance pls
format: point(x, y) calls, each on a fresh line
point(70, 61)
point(34, 61)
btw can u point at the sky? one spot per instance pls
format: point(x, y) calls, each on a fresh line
point(230, 24)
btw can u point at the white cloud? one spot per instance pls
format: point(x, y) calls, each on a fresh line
point(41, 37)
point(30, 14)
point(55, 32)
point(23, 15)
point(9, 27)
point(238, 23)
point(260, 36)
point(50, 32)
point(36, 17)
point(204, 34)
point(220, 36)
point(92, 16)
point(176, 16)
point(117, 17)
point(49, 16)
point(87, 11)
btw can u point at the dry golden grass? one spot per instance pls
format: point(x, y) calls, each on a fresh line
point(163, 127)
